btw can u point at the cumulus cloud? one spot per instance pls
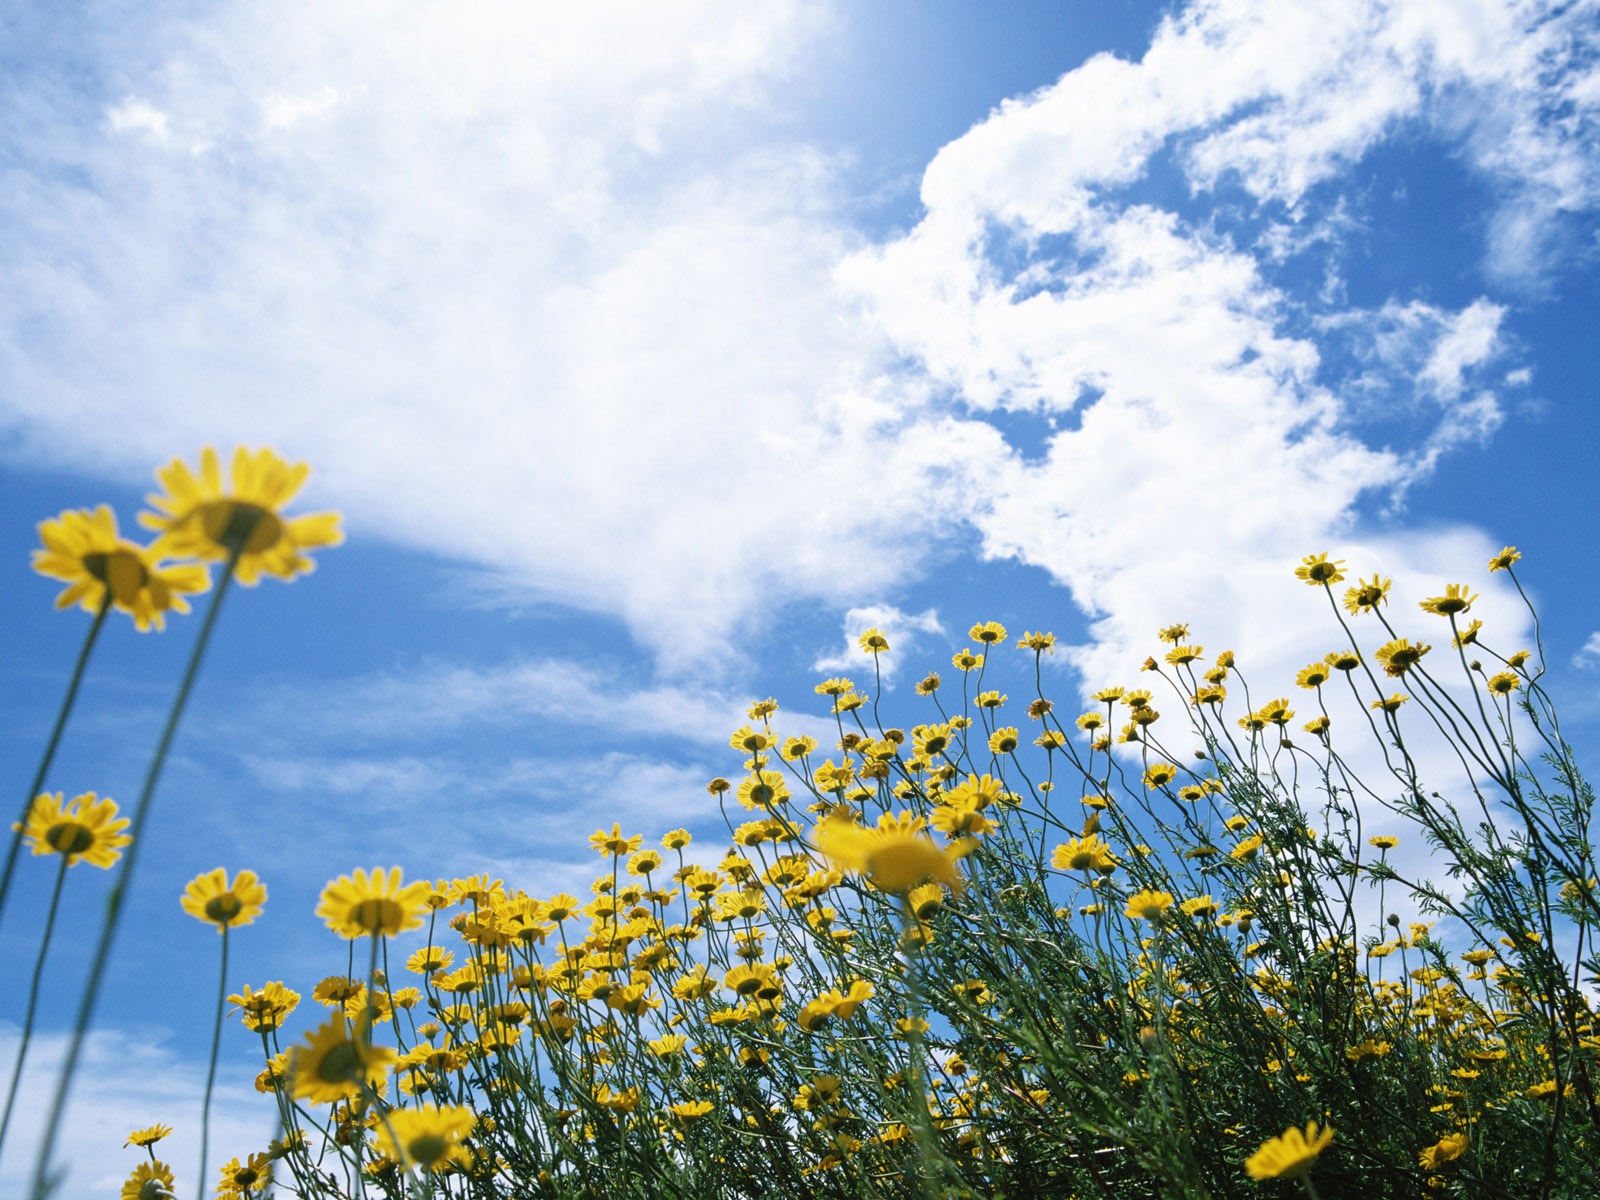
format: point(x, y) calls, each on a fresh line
point(541, 290)
point(1208, 432)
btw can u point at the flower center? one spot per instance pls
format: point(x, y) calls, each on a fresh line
point(121, 571)
point(428, 1148)
point(340, 1065)
point(69, 837)
point(378, 916)
point(232, 523)
point(223, 909)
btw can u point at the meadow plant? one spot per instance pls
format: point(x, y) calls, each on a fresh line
point(991, 951)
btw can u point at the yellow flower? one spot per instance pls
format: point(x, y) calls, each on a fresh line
point(763, 791)
point(1290, 1155)
point(1313, 676)
point(1316, 570)
point(197, 517)
point(1503, 683)
point(241, 1179)
point(210, 897)
point(1400, 655)
point(1179, 655)
point(1148, 905)
point(1503, 560)
point(148, 1137)
point(335, 1061)
point(87, 829)
point(1084, 854)
point(1247, 849)
point(150, 1181)
point(873, 642)
point(614, 843)
point(83, 548)
point(989, 632)
point(428, 1136)
point(1448, 1148)
point(1368, 1048)
point(359, 905)
point(1366, 595)
point(1456, 599)
point(896, 855)
point(1383, 841)
point(796, 748)
point(1160, 774)
point(266, 1010)
point(689, 1110)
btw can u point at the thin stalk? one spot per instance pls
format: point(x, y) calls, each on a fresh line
point(50, 746)
point(211, 1067)
point(42, 1183)
point(33, 997)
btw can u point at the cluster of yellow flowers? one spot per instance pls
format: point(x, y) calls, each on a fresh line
point(923, 959)
point(750, 993)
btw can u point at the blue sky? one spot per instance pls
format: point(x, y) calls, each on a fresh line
point(651, 352)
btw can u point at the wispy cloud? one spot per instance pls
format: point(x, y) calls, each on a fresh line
point(127, 1079)
point(1589, 654)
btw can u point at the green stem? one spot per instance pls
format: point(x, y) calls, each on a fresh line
point(211, 1068)
point(33, 997)
point(50, 746)
point(42, 1183)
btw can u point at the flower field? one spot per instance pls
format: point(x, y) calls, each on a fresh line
point(981, 942)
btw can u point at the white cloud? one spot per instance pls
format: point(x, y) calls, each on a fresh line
point(1589, 654)
point(137, 116)
point(1212, 447)
point(538, 289)
point(126, 1080)
point(434, 699)
point(283, 112)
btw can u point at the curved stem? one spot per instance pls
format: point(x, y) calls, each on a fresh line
point(33, 998)
point(42, 1182)
point(50, 746)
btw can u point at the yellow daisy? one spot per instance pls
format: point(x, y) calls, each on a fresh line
point(243, 1178)
point(362, 905)
point(86, 829)
point(210, 897)
point(265, 1011)
point(1148, 905)
point(427, 1136)
point(197, 517)
point(1290, 1155)
point(896, 856)
point(149, 1181)
point(148, 1137)
point(335, 1061)
point(83, 549)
